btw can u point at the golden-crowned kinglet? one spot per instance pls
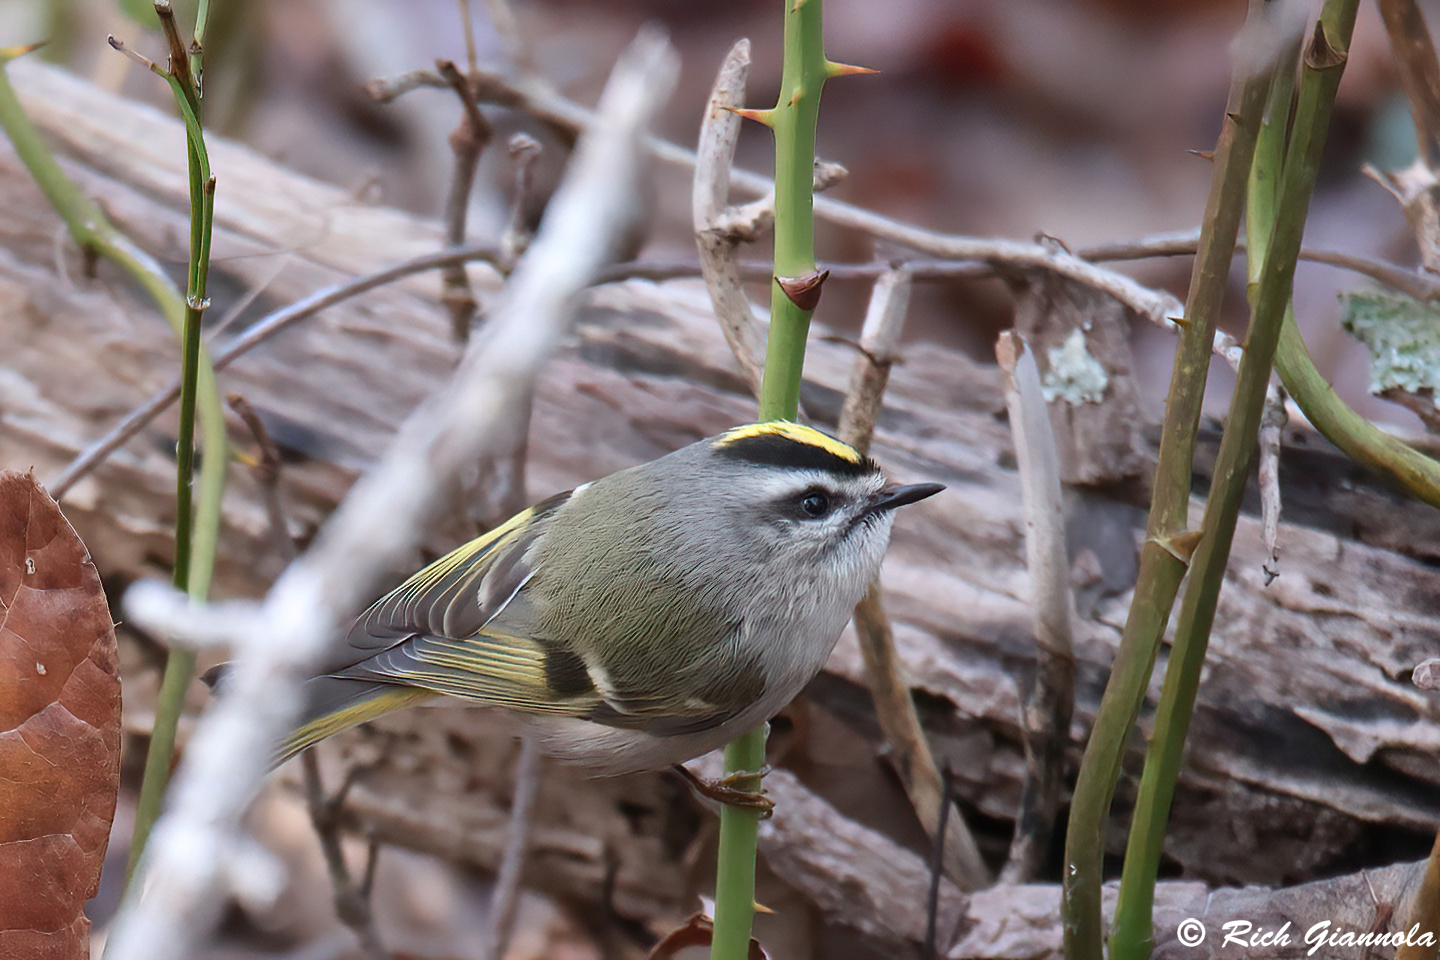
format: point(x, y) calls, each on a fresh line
point(643, 619)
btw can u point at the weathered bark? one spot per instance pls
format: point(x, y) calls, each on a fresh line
point(1308, 743)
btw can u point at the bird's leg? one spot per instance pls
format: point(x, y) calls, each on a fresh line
point(725, 789)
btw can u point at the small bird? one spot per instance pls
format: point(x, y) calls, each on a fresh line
point(640, 620)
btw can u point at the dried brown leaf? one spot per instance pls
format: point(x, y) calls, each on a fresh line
point(59, 727)
point(697, 932)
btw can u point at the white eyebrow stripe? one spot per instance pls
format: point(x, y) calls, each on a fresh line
point(778, 485)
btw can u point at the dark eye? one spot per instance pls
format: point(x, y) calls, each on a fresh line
point(815, 504)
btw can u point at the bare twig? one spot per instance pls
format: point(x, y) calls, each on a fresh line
point(467, 26)
point(385, 89)
point(188, 868)
point(137, 419)
point(567, 116)
point(524, 151)
point(505, 898)
point(352, 900)
point(879, 341)
point(1046, 713)
point(719, 132)
point(467, 143)
point(267, 474)
point(894, 708)
point(1272, 425)
point(1420, 285)
point(937, 863)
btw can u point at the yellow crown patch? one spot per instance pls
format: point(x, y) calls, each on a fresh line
point(797, 432)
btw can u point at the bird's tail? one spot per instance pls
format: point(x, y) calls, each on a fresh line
point(332, 704)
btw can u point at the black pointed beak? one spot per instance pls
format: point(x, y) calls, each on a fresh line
point(891, 497)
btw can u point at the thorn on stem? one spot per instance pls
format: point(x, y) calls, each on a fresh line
point(767, 117)
point(1202, 154)
point(1182, 545)
point(1320, 53)
point(804, 291)
point(834, 69)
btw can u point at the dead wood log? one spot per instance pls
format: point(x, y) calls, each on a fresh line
point(1308, 748)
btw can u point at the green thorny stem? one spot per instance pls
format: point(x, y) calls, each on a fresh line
point(1323, 62)
point(793, 121)
point(195, 543)
point(1163, 557)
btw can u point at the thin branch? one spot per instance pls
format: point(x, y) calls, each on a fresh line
point(1050, 704)
point(187, 870)
point(1419, 284)
point(524, 151)
point(266, 469)
point(467, 142)
point(937, 862)
point(467, 26)
point(505, 899)
point(567, 116)
point(879, 346)
point(352, 900)
point(136, 420)
point(719, 265)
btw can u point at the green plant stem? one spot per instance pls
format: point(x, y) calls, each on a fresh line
point(197, 48)
point(195, 535)
point(739, 837)
point(1324, 62)
point(1162, 559)
point(1361, 440)
point(793, 120)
